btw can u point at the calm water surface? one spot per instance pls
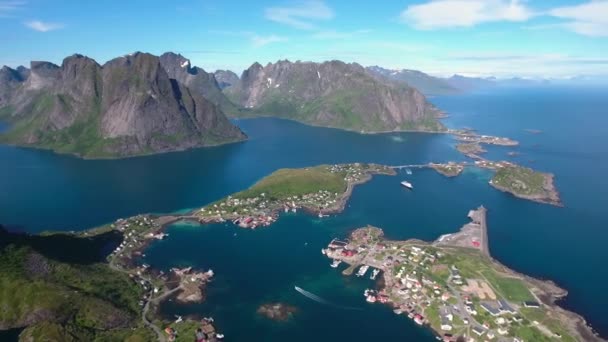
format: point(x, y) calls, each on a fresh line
point(40, 190)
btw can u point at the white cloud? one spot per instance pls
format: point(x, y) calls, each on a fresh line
point(259, 41)
point(8, 7)
point(463, 13)
point(301, 15)
point(590, 19)
point(41, 26)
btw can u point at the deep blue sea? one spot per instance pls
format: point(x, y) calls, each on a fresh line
point(40, 190)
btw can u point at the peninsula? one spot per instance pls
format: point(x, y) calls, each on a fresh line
point(320, 190)
point(453, 286)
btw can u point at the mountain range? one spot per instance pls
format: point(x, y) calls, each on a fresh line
point(129, 106)
point(142, 104)
point(332, 94)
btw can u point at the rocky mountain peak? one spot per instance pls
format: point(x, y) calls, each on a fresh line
point(225, 78)
point(334, 94)
point(130, 105)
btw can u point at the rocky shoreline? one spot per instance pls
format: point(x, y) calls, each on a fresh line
point(551, 194)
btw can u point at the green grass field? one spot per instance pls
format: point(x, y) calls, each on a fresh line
point(520, 180)
point(284, 183)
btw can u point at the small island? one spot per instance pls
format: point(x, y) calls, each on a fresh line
point(526, 183)
point(454, 287)
point(471, 137)
point(450, 169)
point(277, 311)
point(471, 150)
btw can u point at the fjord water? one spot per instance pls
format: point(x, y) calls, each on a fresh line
point(40, 190)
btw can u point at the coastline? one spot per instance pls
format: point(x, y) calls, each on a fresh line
point(138, 155)
point(551, 198)
point(546, 291)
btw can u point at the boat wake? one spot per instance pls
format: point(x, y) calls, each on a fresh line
point(323, 301)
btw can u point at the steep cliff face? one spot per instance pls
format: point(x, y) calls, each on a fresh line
point(197, 79)
point(10, 79)
point(225, 78)
point(126, 107)
point(333, 94)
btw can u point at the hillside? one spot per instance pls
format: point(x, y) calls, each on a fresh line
point(332, 94)
point(58, 287)
point(129, 106)
point(425, 83)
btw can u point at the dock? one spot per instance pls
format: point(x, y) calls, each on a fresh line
point(349, 271)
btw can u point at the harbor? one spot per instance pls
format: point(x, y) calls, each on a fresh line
point(454, 287)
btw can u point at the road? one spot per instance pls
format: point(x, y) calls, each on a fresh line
point(146, 308)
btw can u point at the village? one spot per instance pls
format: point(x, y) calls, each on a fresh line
point(485, 139)
point(450, 285)
point(261, 205)
point(185, 283)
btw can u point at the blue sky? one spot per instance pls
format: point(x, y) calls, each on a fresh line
point(504, 38)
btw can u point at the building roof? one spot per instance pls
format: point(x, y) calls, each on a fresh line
point(491, 308)
point(504, 306)
point(478, 330)
point(531, 304)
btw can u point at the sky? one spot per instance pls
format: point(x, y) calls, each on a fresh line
point(503, 38)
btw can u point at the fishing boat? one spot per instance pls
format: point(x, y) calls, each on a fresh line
point(335, 263)
point(408, 171)
point(362, 271)
point(374, 274)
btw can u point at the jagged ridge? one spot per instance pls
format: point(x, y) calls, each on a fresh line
point(128, 106)
point(333, 94)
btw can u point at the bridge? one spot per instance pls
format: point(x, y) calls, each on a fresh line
point(411, 166)
point(422, 166)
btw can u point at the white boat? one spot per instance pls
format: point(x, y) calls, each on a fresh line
point(335, 263)
point(408, 171)
point(398, 311)
point(407, 185)
point(323, 251)
point(374, 274)
point(362, 271)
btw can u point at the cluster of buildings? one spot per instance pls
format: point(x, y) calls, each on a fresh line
point(246, 212)
point(423, 282)
point(135, 231)
point(356, 172)
point(492, 165)
point(263, 209)
point(487, 139)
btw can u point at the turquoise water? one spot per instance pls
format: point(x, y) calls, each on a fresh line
point(40, 190)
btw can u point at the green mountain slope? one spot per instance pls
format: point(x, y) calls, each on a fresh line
point(129, 106)
point(332, 94)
